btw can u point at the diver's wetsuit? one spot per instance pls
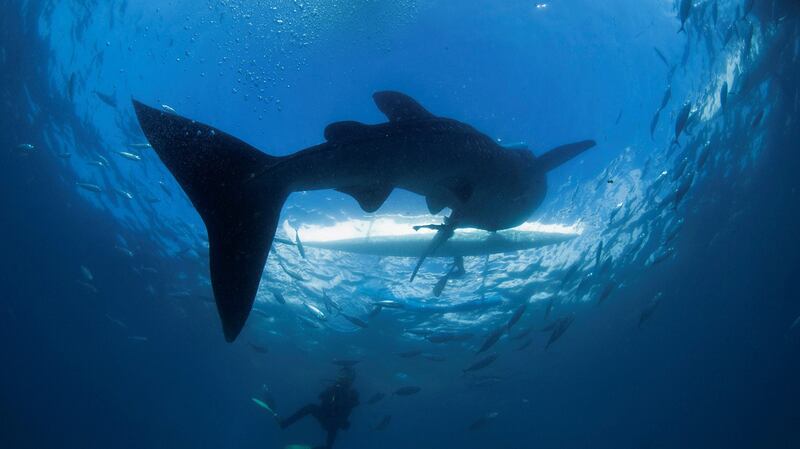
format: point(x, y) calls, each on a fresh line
point(336, 403)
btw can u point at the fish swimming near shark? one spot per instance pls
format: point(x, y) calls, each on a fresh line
point(383, 423)
point(560, 327)
point(516, 316)
point(239, 191)
point(358, 322)
point(682, 120)
point(108, 99)
point(492, 339)
point(654, 123)
point(407, 391)
point(684, 11)
point(723, 94)
point(483, 421)
point(481, 364)
point(661, 56)
point(649, 308)
point(375, 398)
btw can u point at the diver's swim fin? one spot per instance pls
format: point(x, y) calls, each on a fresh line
point(214, 169)
point(562, 154)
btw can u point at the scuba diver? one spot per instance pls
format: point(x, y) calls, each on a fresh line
point(333, 411)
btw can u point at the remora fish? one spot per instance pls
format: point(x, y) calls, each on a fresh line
point(448, 162)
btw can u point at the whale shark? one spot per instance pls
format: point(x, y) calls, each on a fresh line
point(239, 191)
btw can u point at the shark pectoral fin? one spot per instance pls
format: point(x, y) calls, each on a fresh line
point(458, 189)
point(346, 131)
point(370, 197)
point(451, 193)
point(400, 107)
point(435, 203)
point(559, 155)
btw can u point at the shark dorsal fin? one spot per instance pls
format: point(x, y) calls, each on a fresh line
point(400, 107)
point(346, 131)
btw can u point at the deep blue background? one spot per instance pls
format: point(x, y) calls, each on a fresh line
point(717, 365)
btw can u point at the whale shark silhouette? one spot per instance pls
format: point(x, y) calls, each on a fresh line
point(239, 191)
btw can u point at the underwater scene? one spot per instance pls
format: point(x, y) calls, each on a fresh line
point(358, 224)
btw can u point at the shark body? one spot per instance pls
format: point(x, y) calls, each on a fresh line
point(239, 191)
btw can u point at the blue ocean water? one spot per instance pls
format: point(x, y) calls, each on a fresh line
point(678, 301)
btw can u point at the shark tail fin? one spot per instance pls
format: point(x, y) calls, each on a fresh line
point(218, 173)
point(563, 153)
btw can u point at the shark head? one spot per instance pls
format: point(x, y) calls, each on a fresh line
point(507, 201)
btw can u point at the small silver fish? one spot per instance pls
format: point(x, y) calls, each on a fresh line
point(116, 321)
point(316, 311)
point(130, 156)
point(87, 286)
point(90, 187)
point(684, 11)
point(168, 109)
point(124, 193)
point(356, 321)
point(124, 251)
point(87, 274)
